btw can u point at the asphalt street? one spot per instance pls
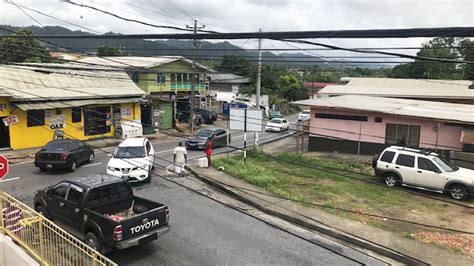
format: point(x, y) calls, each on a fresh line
point(204, 232)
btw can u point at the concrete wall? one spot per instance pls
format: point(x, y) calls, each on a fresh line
point(13, 255)
point(372, 132)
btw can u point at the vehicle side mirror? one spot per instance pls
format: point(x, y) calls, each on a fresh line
point(109, 154)
point(437, 171)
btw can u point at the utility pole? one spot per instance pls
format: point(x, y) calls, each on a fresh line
point(259, 82)
point(192, 101)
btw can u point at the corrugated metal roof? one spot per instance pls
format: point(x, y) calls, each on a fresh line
point(75, 103)
point(37, 82)
point(403, 88)
point(137, 61)
point(450, 112)
point(227, 78)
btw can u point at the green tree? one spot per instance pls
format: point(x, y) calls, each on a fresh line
point(23, 49)
point(292, 88)
point(109, 51)
point(467, 53)
point(236, 65)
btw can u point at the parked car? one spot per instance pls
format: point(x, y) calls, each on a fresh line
point(304, 115)
point(208, 116)
point(423, 169)
point(199, 139)
point(132, 160)
point(102, 211)
point(274, 114)
point(183, 116)
point(64, 154)
point(277, 125)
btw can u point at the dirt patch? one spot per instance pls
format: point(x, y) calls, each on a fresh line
point(457, 242)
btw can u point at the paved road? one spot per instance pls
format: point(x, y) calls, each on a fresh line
point(204, 232)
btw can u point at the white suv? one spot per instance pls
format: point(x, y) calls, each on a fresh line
point(132, 160)
point(426, 170)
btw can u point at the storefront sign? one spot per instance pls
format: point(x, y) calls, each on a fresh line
point(13, 119)
point(58, 122)
point(127, 111)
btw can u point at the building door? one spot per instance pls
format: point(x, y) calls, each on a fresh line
point(166, 119)
point(95, 120)
point(4, 135)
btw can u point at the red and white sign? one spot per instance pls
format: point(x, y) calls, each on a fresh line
point(13, 119)
point(3, 167)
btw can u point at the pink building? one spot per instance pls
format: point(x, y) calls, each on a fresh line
point(350, 123)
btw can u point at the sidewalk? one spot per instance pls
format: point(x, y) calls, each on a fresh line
point(16, 156)
point(377, 240)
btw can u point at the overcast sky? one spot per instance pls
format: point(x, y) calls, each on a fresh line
point(250, 15)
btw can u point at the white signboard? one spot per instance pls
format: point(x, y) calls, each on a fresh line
point(246, 119)
point(58, 122)
point(13, 119)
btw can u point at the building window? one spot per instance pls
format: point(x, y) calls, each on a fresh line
point(378, 119)
point(135, 77)
point(173, 78)
point(342, 117)
point(402, 135)
point(160, 78)
point(76, 114)
point(34, 118)
point(179, 78)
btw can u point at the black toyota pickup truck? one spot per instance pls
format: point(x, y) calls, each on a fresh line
point(103, 212)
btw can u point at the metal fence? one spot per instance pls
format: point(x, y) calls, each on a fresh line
point(42, 239)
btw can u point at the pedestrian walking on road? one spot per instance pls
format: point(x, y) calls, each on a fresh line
point(180, 159)
point(208, 151)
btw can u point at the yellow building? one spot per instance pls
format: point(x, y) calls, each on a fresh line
point(82, 103)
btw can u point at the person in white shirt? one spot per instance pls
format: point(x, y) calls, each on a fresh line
point(180, 159)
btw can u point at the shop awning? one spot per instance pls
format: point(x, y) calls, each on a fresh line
point(73, 103)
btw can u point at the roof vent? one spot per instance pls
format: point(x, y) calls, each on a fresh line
point(471, 87)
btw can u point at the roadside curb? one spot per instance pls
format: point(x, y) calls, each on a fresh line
point(322, 228)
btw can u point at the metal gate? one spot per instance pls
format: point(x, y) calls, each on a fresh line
point(46, 242)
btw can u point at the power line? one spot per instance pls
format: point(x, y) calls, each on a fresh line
point(327, 34)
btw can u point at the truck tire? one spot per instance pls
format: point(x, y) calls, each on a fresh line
point(92, 241)
point(457, 192)
point(40, 209)
point(391, 180)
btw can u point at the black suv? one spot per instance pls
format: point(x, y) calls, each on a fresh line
point(64, 154)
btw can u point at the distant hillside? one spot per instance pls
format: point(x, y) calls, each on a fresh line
point(168, 47)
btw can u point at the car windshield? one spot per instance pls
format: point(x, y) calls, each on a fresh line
point(205, 133)
point(447, 166)
point(305, 112)
point(276, 121)
point(57, 146)
point(129, 152)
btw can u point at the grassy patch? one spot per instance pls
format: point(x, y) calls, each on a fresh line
point(326, 183)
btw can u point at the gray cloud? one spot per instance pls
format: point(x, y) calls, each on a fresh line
point(249, 15)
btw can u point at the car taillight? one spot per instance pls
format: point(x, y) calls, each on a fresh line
point(167, 212)
point(118, 233)
point(63, 156)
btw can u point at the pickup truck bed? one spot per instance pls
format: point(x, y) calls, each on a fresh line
point(85, 205)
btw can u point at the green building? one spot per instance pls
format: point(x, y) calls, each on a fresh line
point(167, 81)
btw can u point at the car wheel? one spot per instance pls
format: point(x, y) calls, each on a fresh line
point(92, 241)
point(43, 169)
point(73, 166)
point(457, 192)
point(391, 180)
point(91, 157)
